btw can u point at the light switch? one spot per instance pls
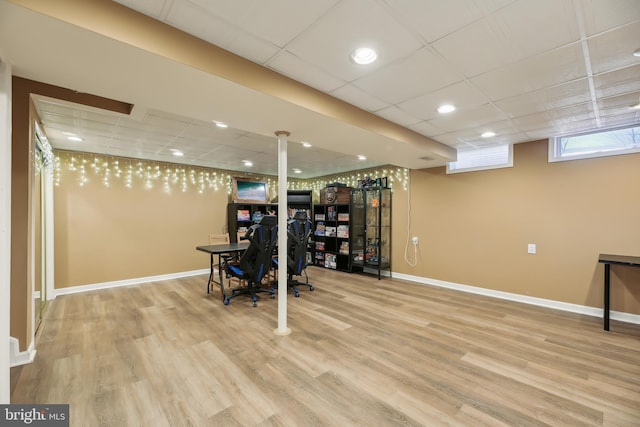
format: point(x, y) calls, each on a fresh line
point(531, 248)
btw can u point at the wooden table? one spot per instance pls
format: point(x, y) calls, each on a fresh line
point(607, 260)
point(222, 249)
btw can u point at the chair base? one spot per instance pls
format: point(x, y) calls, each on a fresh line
point(293, 284)
point(251, 290)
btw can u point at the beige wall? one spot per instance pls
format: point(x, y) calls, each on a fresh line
point(474, 227)
point(107, 234)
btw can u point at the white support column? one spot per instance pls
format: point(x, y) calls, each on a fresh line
point(5, 229)
point(282, 233)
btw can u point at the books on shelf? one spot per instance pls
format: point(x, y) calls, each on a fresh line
point(330, 231)
point(242, 230)
point(244, 215)
point(319, 217)
point(330, 261)
point(342, 231)
point(319, 246)
point(332, 213)
point(257, 216)
point(344, 248)
point(343, 216)
point(320, 229)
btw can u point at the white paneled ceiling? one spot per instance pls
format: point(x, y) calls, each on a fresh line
point(525, 69)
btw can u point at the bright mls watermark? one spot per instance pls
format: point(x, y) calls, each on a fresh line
point(34, 415)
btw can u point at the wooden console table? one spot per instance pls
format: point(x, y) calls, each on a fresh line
point(607, 260)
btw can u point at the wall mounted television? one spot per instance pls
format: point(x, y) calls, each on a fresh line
point(247, 190)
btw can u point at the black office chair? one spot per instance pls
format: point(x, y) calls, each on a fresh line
point(298, 231)
point(256, 260)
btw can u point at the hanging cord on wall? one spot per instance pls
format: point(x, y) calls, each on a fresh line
point(406, 246)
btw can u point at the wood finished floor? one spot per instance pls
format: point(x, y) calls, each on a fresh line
point(362, 352)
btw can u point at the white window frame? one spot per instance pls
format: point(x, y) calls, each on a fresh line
point(506, 164)
point(556, 156)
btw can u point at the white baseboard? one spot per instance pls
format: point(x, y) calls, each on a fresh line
point(17, 357)
point(558, 305)
point(128, 282)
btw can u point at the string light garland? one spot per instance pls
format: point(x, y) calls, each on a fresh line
point(151, 174)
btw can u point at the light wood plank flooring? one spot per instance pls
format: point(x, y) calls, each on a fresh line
point(362, 352)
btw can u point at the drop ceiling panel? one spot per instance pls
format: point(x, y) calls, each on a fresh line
point(534, 27)
point(422, 72)
point(462, 94)
point(489, 49)
point(603, 15)
point(434, 19)
point(469, 118)
point(548, 69)
point(349, 25)
point(207, 26)
point(575, 92)
point(618, 82)
point(614, 49)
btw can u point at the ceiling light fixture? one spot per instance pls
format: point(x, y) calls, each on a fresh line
point(636, 52)
point(74, 138)
point(446, 108)
point(247, 163)
point(306, 144)
point(296, 170)
point(488, 134)
point(361, 157)
point(176, 153)
point(364, 55)
point(221, 124)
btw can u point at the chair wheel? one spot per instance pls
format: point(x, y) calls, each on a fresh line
point(226, 302)
point(296, 294)
point(255, 304)
point(311, 288)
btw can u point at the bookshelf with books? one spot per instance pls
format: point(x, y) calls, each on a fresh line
point(240, 216)
point(332, 247)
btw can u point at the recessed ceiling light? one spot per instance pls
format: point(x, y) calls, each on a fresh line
point(364, 55)
point(488, 134)
point(221, 124)
point(635, 107)
point(361, 157)
point(296, 170)
point(636, 52)
point(176, 153)
point(247, 163)
point(306, 144)
point(446, 108)
point(74, 138)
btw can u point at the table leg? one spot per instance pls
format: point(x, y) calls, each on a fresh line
point(220, 276)
point(210, 274)
point(607, 268)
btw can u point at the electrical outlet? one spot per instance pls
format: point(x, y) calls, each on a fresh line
point(415, 240)
point(531, 248)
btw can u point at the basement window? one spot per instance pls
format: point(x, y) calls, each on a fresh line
point(610, 142)
point(475, 159)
